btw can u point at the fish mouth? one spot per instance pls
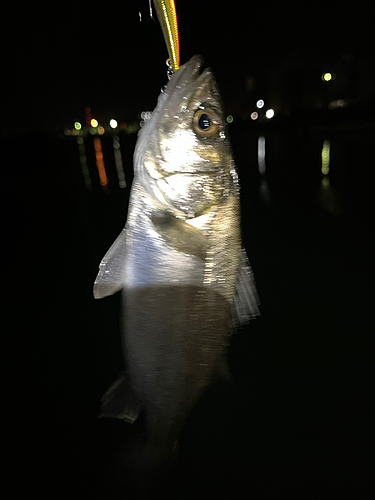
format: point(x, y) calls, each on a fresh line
point(186, 74)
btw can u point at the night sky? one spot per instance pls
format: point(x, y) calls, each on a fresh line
point(62, 56)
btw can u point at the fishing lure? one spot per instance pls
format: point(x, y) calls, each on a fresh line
point(166, 12)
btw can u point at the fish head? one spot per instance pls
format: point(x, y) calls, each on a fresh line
point(183, 156)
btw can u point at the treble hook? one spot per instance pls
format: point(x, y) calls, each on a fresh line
point(150, 10)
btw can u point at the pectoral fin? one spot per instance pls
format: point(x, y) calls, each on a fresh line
point(246, 301)
point(179, 235)
point(110, 277)
point(120, 401)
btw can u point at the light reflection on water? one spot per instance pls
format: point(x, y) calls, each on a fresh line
point(83, 161)
point(118, 162)
point(326, 156)
point(327, 196)
point(100, 162)
point(101, 159)
point(263, 188)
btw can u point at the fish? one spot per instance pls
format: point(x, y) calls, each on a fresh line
point(179, 262)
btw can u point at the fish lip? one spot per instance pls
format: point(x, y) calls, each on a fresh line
point(189, 71)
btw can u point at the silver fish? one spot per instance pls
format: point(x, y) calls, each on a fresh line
point(185, 279)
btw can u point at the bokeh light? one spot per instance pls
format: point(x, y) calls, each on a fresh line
point(100, 162)
point(326, 157)
point(260, 103)
point(113, 123)
point(77, 126)
point(118, 162)
point(262, 155)
point(146, 115)
point(229, 119)
point(94, 123)
point(270, 113)
point(254, 115)
point(83, 161)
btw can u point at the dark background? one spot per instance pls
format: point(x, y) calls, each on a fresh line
point(297, 418)
point(61, 57)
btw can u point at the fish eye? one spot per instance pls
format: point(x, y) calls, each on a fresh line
point(205, 122)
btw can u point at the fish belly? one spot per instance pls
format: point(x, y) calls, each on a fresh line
point(174, 344)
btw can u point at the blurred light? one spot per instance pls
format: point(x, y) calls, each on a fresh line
point(132, 128)
point(229, 119)
point(118, 162)
point(263, 188)
point(113, 123)
point(100, 162)
point(146, 115)
point(260, 103)
point(338, 103)
point(123, 125)
point(262, 155)
point(77, 126)
point(326, 157)
point(101, 130)
point(67, 131)
point(325, 183)
point(254, 115)
point(327, 77)
point(88, 116)
point(94, 123)
point(83, 161)
point(270, 113)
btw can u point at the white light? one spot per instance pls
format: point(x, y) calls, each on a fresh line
point(270, 113)
point(260, 103)
point(254, 115)
point(113, 123)
point(146, 115)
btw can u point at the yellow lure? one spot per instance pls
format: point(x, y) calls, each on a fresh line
point(166, 12)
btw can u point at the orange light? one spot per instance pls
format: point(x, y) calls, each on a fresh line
point(100, 162)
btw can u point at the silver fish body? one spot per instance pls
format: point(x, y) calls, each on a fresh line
point(185, 278)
